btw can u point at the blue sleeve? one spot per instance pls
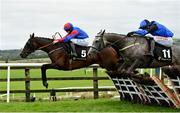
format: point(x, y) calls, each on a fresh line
point(70, 36)
point(141, 32)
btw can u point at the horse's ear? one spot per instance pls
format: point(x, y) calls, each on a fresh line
point(32, 36)
point(103, 32)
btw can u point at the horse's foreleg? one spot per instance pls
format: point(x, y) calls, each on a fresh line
point(43, 73)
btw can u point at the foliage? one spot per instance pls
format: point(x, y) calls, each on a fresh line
point(14, 54)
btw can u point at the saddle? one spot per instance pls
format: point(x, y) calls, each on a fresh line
point(81, 52)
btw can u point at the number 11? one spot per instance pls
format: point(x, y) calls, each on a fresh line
point(166, 53)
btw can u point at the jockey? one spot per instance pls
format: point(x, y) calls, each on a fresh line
point(74, 34)
point(162, 34)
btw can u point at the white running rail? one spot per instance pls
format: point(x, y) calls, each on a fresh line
point(9, 65)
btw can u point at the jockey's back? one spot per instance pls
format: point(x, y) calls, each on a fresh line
point(161, 31)
point(81, 34)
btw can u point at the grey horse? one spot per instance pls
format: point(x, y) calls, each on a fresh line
point(133, 50)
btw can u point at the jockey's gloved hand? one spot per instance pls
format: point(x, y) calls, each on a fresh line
point(55, 41)
point(130, 34)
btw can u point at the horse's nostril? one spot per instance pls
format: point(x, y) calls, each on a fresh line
point(22, 55)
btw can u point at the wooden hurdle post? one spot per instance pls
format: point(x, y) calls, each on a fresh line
point(95, 82)
point(27, 84)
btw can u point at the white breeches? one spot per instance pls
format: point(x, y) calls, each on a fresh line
point(166, 41)
point(82, 42)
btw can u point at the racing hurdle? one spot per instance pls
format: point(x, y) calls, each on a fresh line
point(145, 89)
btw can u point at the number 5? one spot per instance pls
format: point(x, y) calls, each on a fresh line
point(83, 53)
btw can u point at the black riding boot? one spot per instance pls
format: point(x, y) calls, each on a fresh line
point(73, 53)
point(152, 45)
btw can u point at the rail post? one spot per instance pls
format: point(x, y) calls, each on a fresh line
point(95, 82)
point(27, 84)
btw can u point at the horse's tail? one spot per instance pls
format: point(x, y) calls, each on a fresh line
point(172, 71)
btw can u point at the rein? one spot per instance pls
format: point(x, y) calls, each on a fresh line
point(45, 45)
point(51, 50)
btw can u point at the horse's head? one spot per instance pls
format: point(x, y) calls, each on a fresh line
point(30, 47)
point(98, 44)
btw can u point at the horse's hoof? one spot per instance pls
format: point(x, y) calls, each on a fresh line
point(45, 84)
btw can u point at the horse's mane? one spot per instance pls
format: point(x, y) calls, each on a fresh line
point(44, 38)
point(115, 34)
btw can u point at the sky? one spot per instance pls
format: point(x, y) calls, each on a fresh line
point(20, 18)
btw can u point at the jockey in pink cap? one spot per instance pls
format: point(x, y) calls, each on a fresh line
point(73, 33)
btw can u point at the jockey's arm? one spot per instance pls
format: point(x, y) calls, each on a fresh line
point(141, 32)
point(152, 28)
point(66, 38)
point(73, 34)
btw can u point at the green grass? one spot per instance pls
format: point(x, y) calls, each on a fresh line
point(84, 105)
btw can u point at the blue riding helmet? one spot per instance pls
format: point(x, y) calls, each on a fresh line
point(68, 27)
point(144, 24)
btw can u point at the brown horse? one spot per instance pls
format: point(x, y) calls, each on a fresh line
point(59, 55)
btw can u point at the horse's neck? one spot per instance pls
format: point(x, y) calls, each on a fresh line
point(115, 40)
point(42, 42)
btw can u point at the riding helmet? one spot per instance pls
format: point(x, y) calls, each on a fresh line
point(144, 24)
point(68, 27)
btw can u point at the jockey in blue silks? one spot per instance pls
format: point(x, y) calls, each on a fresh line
point(74, 35)
point(162, 34)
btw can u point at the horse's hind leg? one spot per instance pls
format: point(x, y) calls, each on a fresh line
point(135, 63)
point(43, 73)
point(122, 66)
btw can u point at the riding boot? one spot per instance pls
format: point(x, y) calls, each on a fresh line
point(152, 45)
point(73, 53)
